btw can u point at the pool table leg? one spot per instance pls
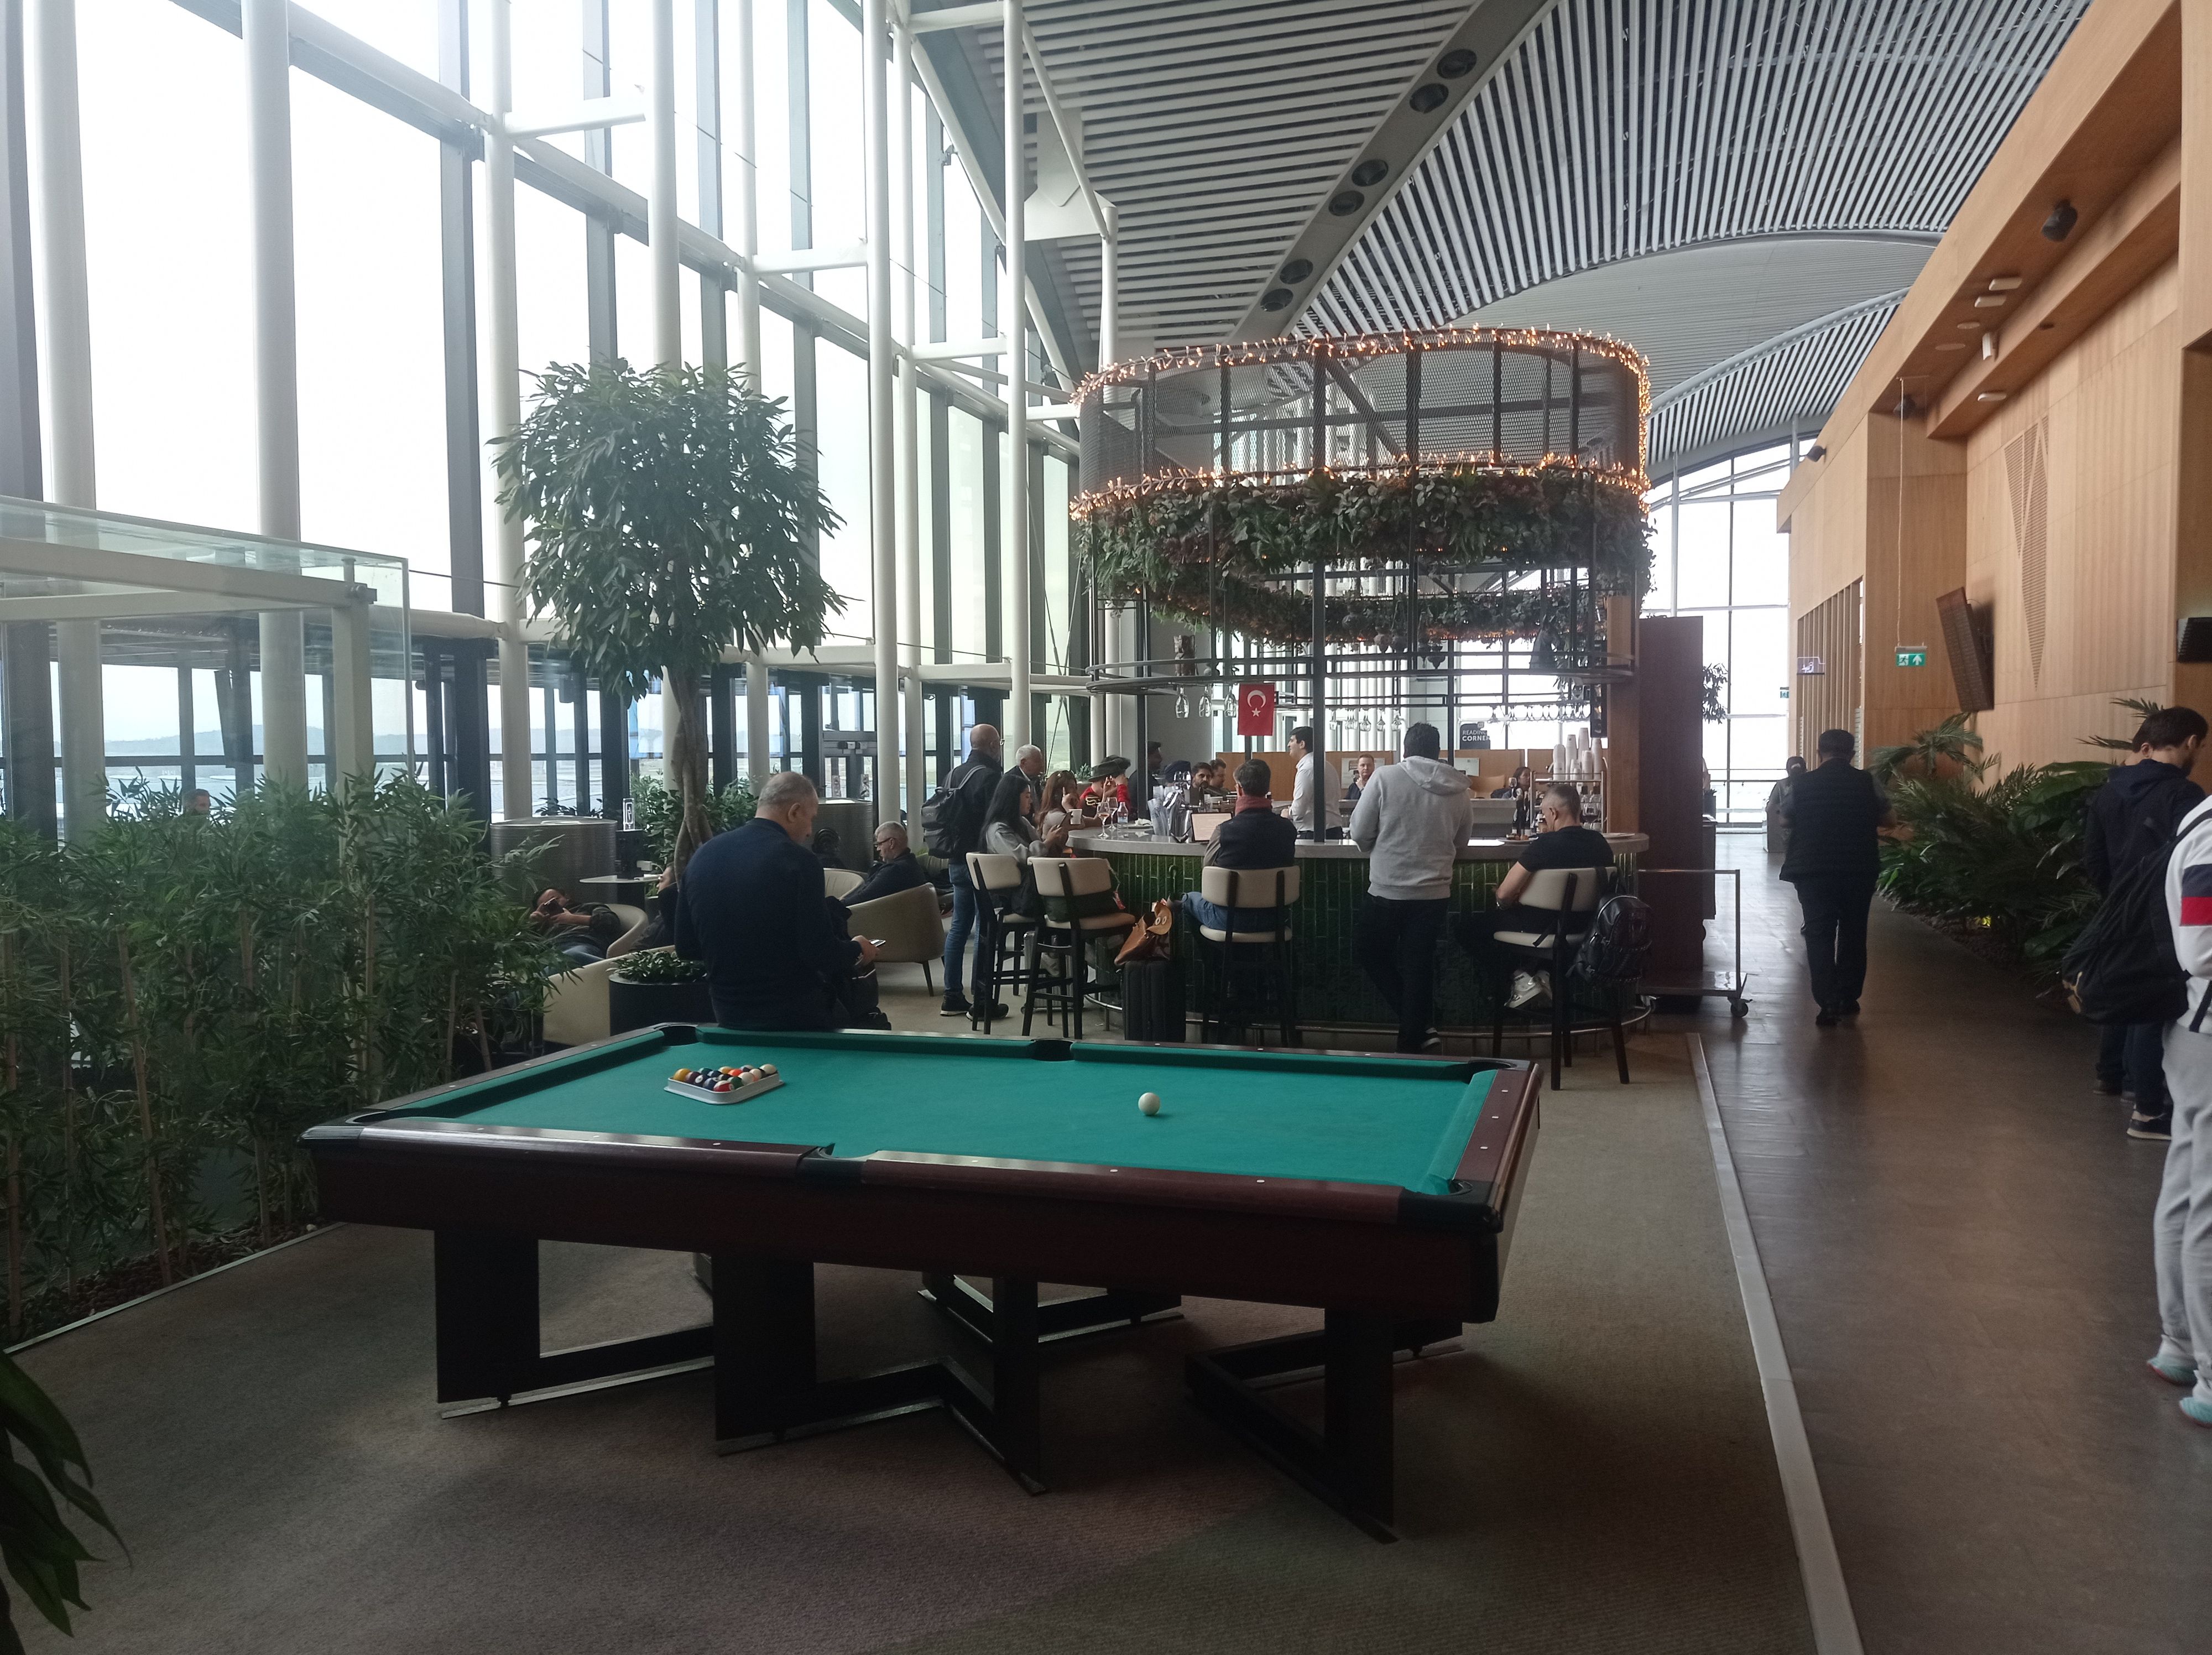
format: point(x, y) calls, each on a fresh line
point(486, 1289)
point(1071, 1317)
point(768, 1388)
point(1349, 1463)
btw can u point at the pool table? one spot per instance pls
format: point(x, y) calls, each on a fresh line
point(1381, 1190)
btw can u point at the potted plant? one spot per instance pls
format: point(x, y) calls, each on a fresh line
point(657, 986)
point(668, 518)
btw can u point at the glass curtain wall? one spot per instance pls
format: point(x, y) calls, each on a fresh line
point(163, 132)
point(1716, 553)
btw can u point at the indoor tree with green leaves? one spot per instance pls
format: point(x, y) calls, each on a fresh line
point(668, 517)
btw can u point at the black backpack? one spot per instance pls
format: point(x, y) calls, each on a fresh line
point(2123, 968)
point(945, 826)
point(1618, 944)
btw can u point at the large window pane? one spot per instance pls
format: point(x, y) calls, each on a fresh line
point(966, 439)
point(371, 332)
point(162, 96)
point(840, 175)
point(841, 387)
point(1702, 555)
point(1762, 555)
point(405, 29)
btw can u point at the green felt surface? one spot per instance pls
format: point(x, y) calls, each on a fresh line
point(1347, 1120)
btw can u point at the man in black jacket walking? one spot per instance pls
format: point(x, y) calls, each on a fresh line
point(1834, 857)
point(2133, 816)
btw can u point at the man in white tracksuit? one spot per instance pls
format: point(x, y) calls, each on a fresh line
point(2183, 1228)
point(1411, 819)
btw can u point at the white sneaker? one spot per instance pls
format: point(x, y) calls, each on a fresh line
point(1525, 988)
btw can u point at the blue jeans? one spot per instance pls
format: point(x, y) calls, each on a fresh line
point(964, 922)
point(1203, 912)
point(2131, 1056)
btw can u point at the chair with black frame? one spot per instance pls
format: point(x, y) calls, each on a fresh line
point(1078, 909)
point(1574, 893)
point(999, 960)
point(1249, 953)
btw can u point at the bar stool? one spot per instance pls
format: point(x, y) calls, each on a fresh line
point(999, 962)
point(1234, 952)
point(1079, 909)
point(1572, 894)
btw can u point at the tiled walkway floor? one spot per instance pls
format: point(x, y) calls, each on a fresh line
point(1956, 1233)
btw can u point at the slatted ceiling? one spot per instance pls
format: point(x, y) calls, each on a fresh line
point(1622, 129)
point(1216, 127)
point(1786, 390)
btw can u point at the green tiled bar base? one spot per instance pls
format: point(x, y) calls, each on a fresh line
point(1332, 989)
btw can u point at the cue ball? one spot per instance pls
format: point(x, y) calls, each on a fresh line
point(1150, 1102)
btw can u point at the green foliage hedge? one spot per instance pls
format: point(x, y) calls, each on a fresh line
point(1216, 544)
point(174, 986)
point(2004, 859)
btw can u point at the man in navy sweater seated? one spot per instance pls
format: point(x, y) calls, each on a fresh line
point(754, 911)
point(1254, 837)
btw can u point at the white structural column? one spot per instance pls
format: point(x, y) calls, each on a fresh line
point(909, 446)
point(1106, 710)
point(267, 26)
point(745, 226)
point(883, 358)
point(660, 201)
point(743, 215)
point(503, 352)
point(679, 702)
point(1013, 316)
point(1107, 719)
point(351, 743)
point(64, 323)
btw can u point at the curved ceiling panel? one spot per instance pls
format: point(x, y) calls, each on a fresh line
point(1622, 129)
point(1688, 310)
point(1774, 392)
point(1626, 127)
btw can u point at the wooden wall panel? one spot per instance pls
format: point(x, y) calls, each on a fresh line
point(1915, 540)
point(2106, 414)
point(1827, 701)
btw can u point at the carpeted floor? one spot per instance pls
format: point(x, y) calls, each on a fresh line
point(1592, 1473)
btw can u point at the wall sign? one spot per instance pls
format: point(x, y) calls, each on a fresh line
point(1811, 667)
point(1913, 654)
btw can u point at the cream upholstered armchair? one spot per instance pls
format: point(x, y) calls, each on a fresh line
point(907, 924)
point(840, 882)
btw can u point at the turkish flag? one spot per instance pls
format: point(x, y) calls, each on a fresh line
point(1256, 709)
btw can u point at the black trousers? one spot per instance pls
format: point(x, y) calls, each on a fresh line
point(1835, 907)
point(1395, 943)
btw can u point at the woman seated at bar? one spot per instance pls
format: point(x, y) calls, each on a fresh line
point(1513, 789)
point(1062, 811)
point(1561, 842)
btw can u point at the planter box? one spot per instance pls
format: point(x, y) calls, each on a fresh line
point(641, 1005)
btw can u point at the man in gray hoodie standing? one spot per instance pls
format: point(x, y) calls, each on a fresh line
point(1411, 820)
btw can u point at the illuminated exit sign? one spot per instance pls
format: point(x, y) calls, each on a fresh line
point(1915, 654)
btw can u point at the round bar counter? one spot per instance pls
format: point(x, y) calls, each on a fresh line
point(1333, 992)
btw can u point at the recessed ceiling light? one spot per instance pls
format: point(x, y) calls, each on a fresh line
point(1371, 173)
point(1951, 346)
point(1453, 64)
point(1345, 203)
point(1990, 396)
point(1296, 270)
point(1428, 98)
point(1968, 328)
point(1275, 299)
point(2003, 284)
point(1987, 300)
